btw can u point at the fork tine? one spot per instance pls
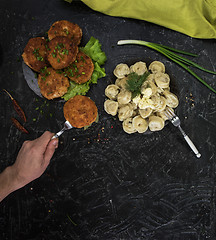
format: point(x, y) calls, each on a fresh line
point(171, 112)
point(168, 114)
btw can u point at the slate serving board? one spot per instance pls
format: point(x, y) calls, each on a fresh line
point(103, 183)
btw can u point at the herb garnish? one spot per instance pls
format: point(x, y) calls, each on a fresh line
point(82, 58)
point(37, 54)
point(135, 81)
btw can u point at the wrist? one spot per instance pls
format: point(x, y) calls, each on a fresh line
point(8, 183)
point(12, 180)
point(16, 180)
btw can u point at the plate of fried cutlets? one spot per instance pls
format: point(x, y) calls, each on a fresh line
point(49, 64)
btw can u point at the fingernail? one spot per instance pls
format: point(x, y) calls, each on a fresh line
point(55, 143)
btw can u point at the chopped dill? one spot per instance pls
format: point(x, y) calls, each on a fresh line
point(135, 81)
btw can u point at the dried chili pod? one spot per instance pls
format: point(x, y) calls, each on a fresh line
point(16, 106)
point(18, 125)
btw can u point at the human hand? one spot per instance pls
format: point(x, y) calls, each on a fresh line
point(33, 159)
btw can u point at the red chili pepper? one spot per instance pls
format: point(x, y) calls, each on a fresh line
point(16, 106)
point(18, 125)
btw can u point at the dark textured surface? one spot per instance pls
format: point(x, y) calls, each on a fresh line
point(103, 183)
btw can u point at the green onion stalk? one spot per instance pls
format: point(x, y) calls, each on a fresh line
point(170, 53)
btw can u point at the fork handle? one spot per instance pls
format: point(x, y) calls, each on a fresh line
point(192, 146)
point(58, 134)
point(190, 143)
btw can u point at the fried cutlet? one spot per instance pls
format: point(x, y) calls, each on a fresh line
point(61, 52)
point(35, 53)
point(80, 71)
point(66, 29)
point(80, 111)
point(52, 83)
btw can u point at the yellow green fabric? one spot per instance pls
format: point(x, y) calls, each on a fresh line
point(196, 18)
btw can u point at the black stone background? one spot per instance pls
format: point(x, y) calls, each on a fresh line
point(103, 183)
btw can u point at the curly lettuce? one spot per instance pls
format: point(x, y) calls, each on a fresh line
point(93, 50)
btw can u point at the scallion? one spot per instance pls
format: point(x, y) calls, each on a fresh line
point(169, 53)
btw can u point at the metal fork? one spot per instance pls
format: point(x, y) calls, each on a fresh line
point(176, 122)
point(67, 126)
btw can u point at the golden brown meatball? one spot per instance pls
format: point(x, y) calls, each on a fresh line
point(62, 52)
point(80, 71)
point(35, 53)
point(66, 29)
point(52, 83)
point(80, 111)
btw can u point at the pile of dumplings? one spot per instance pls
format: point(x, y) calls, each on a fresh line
point(146, 110)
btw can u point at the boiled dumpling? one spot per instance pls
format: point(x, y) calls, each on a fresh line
point(146, 92)
point(146, 112)
point(162, 104)
point(124, 97)
point(111, 107)
point(121, 82)
point(140, 124)
point(139, 68)
point(112, 91)
point(145, 103)
point(156, 123)
point(157, 66)
point(171, 99)
point(128, 126)
point(150, 78)
point(121, 70)
point(162, 80)
point(125, 112)
point(156, 101)
point(149, 84)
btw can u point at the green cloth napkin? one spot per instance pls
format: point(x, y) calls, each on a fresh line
point(196, 18)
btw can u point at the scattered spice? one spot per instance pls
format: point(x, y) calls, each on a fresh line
point(190, 99)
point(18, 125)
point(99, 138)
point(16, 106)
point(43, 109)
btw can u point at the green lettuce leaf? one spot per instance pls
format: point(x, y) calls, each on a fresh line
point(97, 73)
point(93, 50)
point(76, 89)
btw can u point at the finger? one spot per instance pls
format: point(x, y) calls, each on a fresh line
point(53, 144)
point(43, 140)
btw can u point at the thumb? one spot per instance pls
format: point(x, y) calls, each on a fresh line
point(52, 145)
